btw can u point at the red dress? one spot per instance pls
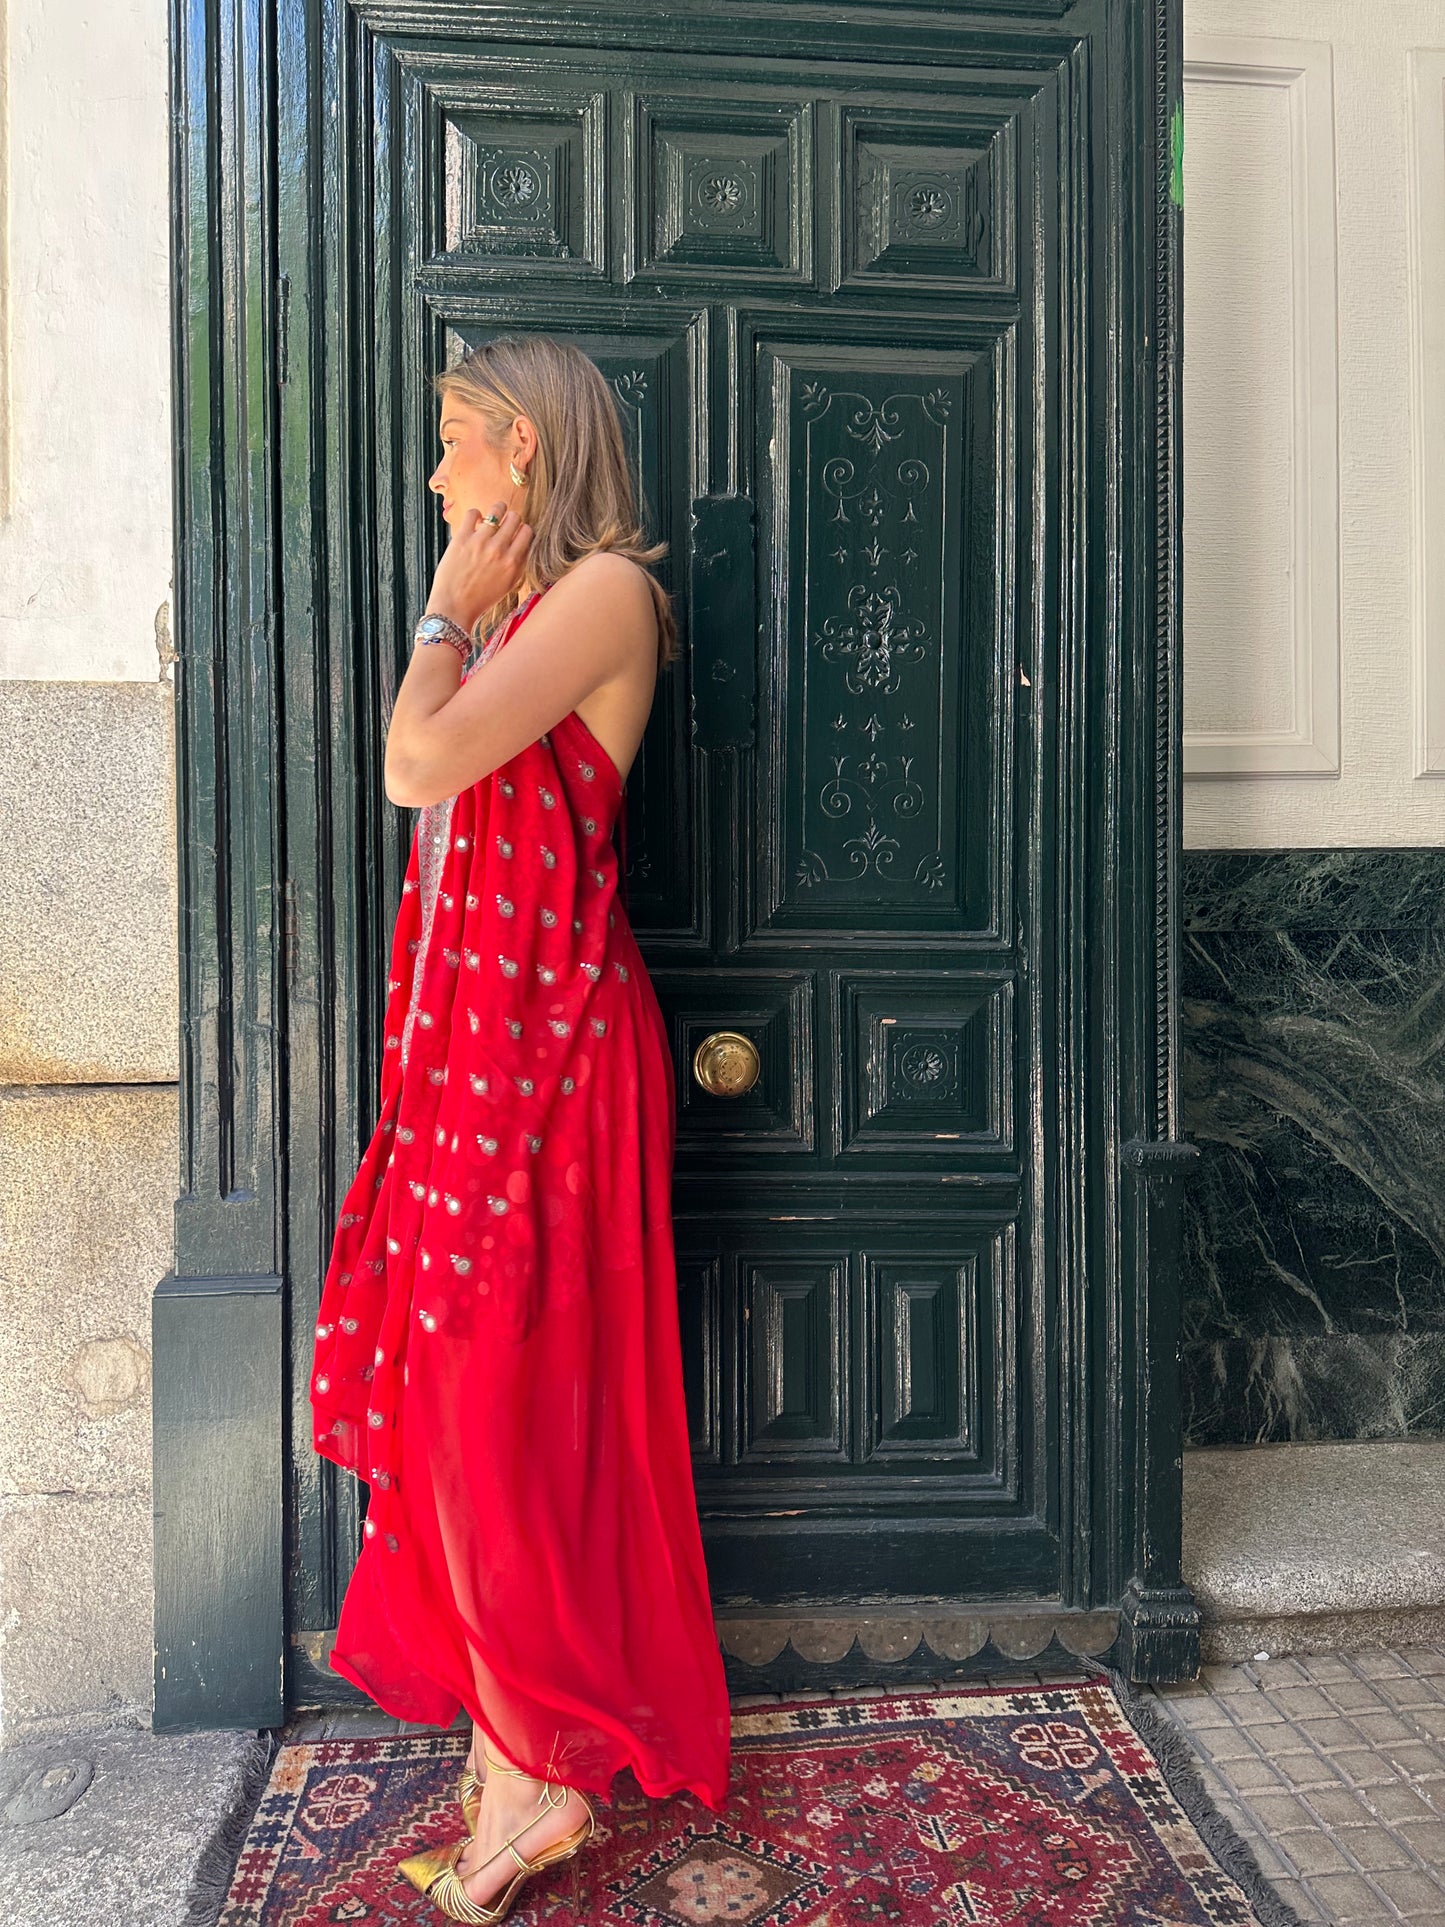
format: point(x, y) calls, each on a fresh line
point(497, 1347)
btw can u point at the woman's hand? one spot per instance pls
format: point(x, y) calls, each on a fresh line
point(482, 562)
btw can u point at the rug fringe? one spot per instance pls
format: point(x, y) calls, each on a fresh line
point(216, 1867)
point(1179, 1764)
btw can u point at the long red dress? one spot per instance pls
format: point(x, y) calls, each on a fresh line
point(497, 1347)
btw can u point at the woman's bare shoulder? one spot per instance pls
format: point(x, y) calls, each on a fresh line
point(616, 592)
point(607, 570)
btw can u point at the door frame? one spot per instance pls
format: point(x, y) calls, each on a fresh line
point(266, 146)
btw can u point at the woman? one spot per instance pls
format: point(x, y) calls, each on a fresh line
point(497, 1348)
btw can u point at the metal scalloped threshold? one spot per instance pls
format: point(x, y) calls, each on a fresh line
point(779, 1651)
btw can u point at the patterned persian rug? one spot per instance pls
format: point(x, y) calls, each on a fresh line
point(1020, 1806)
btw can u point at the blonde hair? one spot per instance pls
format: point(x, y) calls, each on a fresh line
point(579, 497)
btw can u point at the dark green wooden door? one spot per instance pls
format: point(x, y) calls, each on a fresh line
point(887, 303)
point(816, 289)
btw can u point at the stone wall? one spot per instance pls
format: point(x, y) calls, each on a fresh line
point(87, 1184)
point(88, 1181)
point(89, 1049)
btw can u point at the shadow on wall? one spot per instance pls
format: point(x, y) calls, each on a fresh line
point(1314, 1085)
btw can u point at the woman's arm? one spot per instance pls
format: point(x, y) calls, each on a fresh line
point(447, 734)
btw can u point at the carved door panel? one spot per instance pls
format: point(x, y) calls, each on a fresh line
point(867, 1332)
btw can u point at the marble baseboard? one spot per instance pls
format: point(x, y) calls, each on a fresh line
point(1354, 889)
point(1347, 1385)
point(1313, 1082)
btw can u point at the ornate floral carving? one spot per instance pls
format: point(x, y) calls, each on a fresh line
point(516, 184)
point(875, 643)
point(874, 847)
point(872, 505)
point(882, 501)
point(721, 193)
point(875, 422)
point(928, 205)
point(870, 781)
point(927, 1067)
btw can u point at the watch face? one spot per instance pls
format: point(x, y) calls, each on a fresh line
point(435, 628)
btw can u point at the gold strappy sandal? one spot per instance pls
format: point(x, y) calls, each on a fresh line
point(433, 1872)
point(469, 1793)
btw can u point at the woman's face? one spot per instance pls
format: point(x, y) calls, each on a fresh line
point(471, 473)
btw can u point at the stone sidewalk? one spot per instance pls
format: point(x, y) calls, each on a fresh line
point(1332, 1768)
point(111, 1827)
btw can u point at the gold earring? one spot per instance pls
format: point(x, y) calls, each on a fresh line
point(519, 479)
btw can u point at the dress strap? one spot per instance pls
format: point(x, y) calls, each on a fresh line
point(622, 847)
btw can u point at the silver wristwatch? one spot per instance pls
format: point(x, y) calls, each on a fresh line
point(443, 629)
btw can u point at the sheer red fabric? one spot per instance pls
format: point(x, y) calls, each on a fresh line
point(497, 1348)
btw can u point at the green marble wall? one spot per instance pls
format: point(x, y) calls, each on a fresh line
point(1314, 1086)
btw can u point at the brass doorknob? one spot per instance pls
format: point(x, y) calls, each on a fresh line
point(727, 1063)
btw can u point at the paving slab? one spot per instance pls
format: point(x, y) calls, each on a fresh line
point(118, 1826)
point(1345, 1817)
point(1330, 1547)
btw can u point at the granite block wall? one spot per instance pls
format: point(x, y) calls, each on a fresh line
point(89, 1175)
point(1313, 1065)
